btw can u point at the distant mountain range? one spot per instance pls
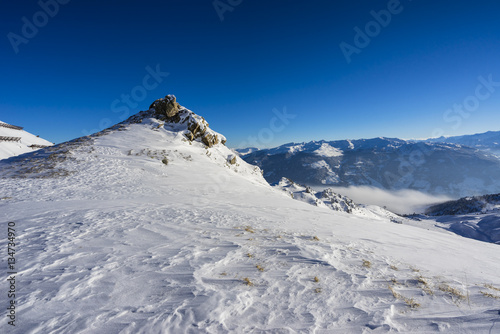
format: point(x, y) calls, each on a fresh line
point(455, 166)
point(488, 141)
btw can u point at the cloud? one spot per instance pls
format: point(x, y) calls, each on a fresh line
point(399, 201)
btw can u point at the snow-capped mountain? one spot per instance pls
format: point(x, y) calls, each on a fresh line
point(488, 141)
point(387, 163)
point(15, 141)
point(154, 226)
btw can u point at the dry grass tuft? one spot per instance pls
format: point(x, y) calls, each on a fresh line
point(247, 281)
point(367, 264)
point(249, 255)
point(454, 293)
point(409, 301)
point(259, 267)
point(317, 290)
point(316, 279)
point(249, 229)
point(489, 286)
point(393, 267)
point(489, 295)
point(425, 285)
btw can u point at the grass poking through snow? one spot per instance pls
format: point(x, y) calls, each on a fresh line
point(425, 285)
point(247, 281)
point(409, 301)
point(455, 294)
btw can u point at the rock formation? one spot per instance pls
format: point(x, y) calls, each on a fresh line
point(167, 106)
point(171, 112)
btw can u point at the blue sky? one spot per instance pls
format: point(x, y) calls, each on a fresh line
point(238, 60)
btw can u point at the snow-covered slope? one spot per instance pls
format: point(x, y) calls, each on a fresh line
point(472, 217)
point(479, 226)
point(139, 229)
point(15, 141)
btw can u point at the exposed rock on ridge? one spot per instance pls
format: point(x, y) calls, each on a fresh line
point(168, 110)
point(167, 106)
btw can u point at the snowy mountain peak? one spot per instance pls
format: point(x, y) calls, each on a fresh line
point(165, 134)
point(15, 141)
point(181, 119)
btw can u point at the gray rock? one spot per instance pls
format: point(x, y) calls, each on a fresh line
point(166, 106)
point(209, 140)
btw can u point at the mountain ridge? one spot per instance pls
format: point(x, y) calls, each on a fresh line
point(387, 163)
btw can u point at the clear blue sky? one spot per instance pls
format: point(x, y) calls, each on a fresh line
point(69, 76)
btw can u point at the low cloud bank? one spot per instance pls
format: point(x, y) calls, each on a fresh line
point(404, 201)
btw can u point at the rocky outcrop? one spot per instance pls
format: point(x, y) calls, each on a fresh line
point(231, 159)
point(327, 198)
point(195, 127)
point(209, 140)
point(336, 201)
point(167, 106)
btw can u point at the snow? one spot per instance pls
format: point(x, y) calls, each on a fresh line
point(295, 149)
point(124, 243)
point(10, 149)
point(320, 165)
point(351, 145)
point(328, 151)
point(331, 177)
